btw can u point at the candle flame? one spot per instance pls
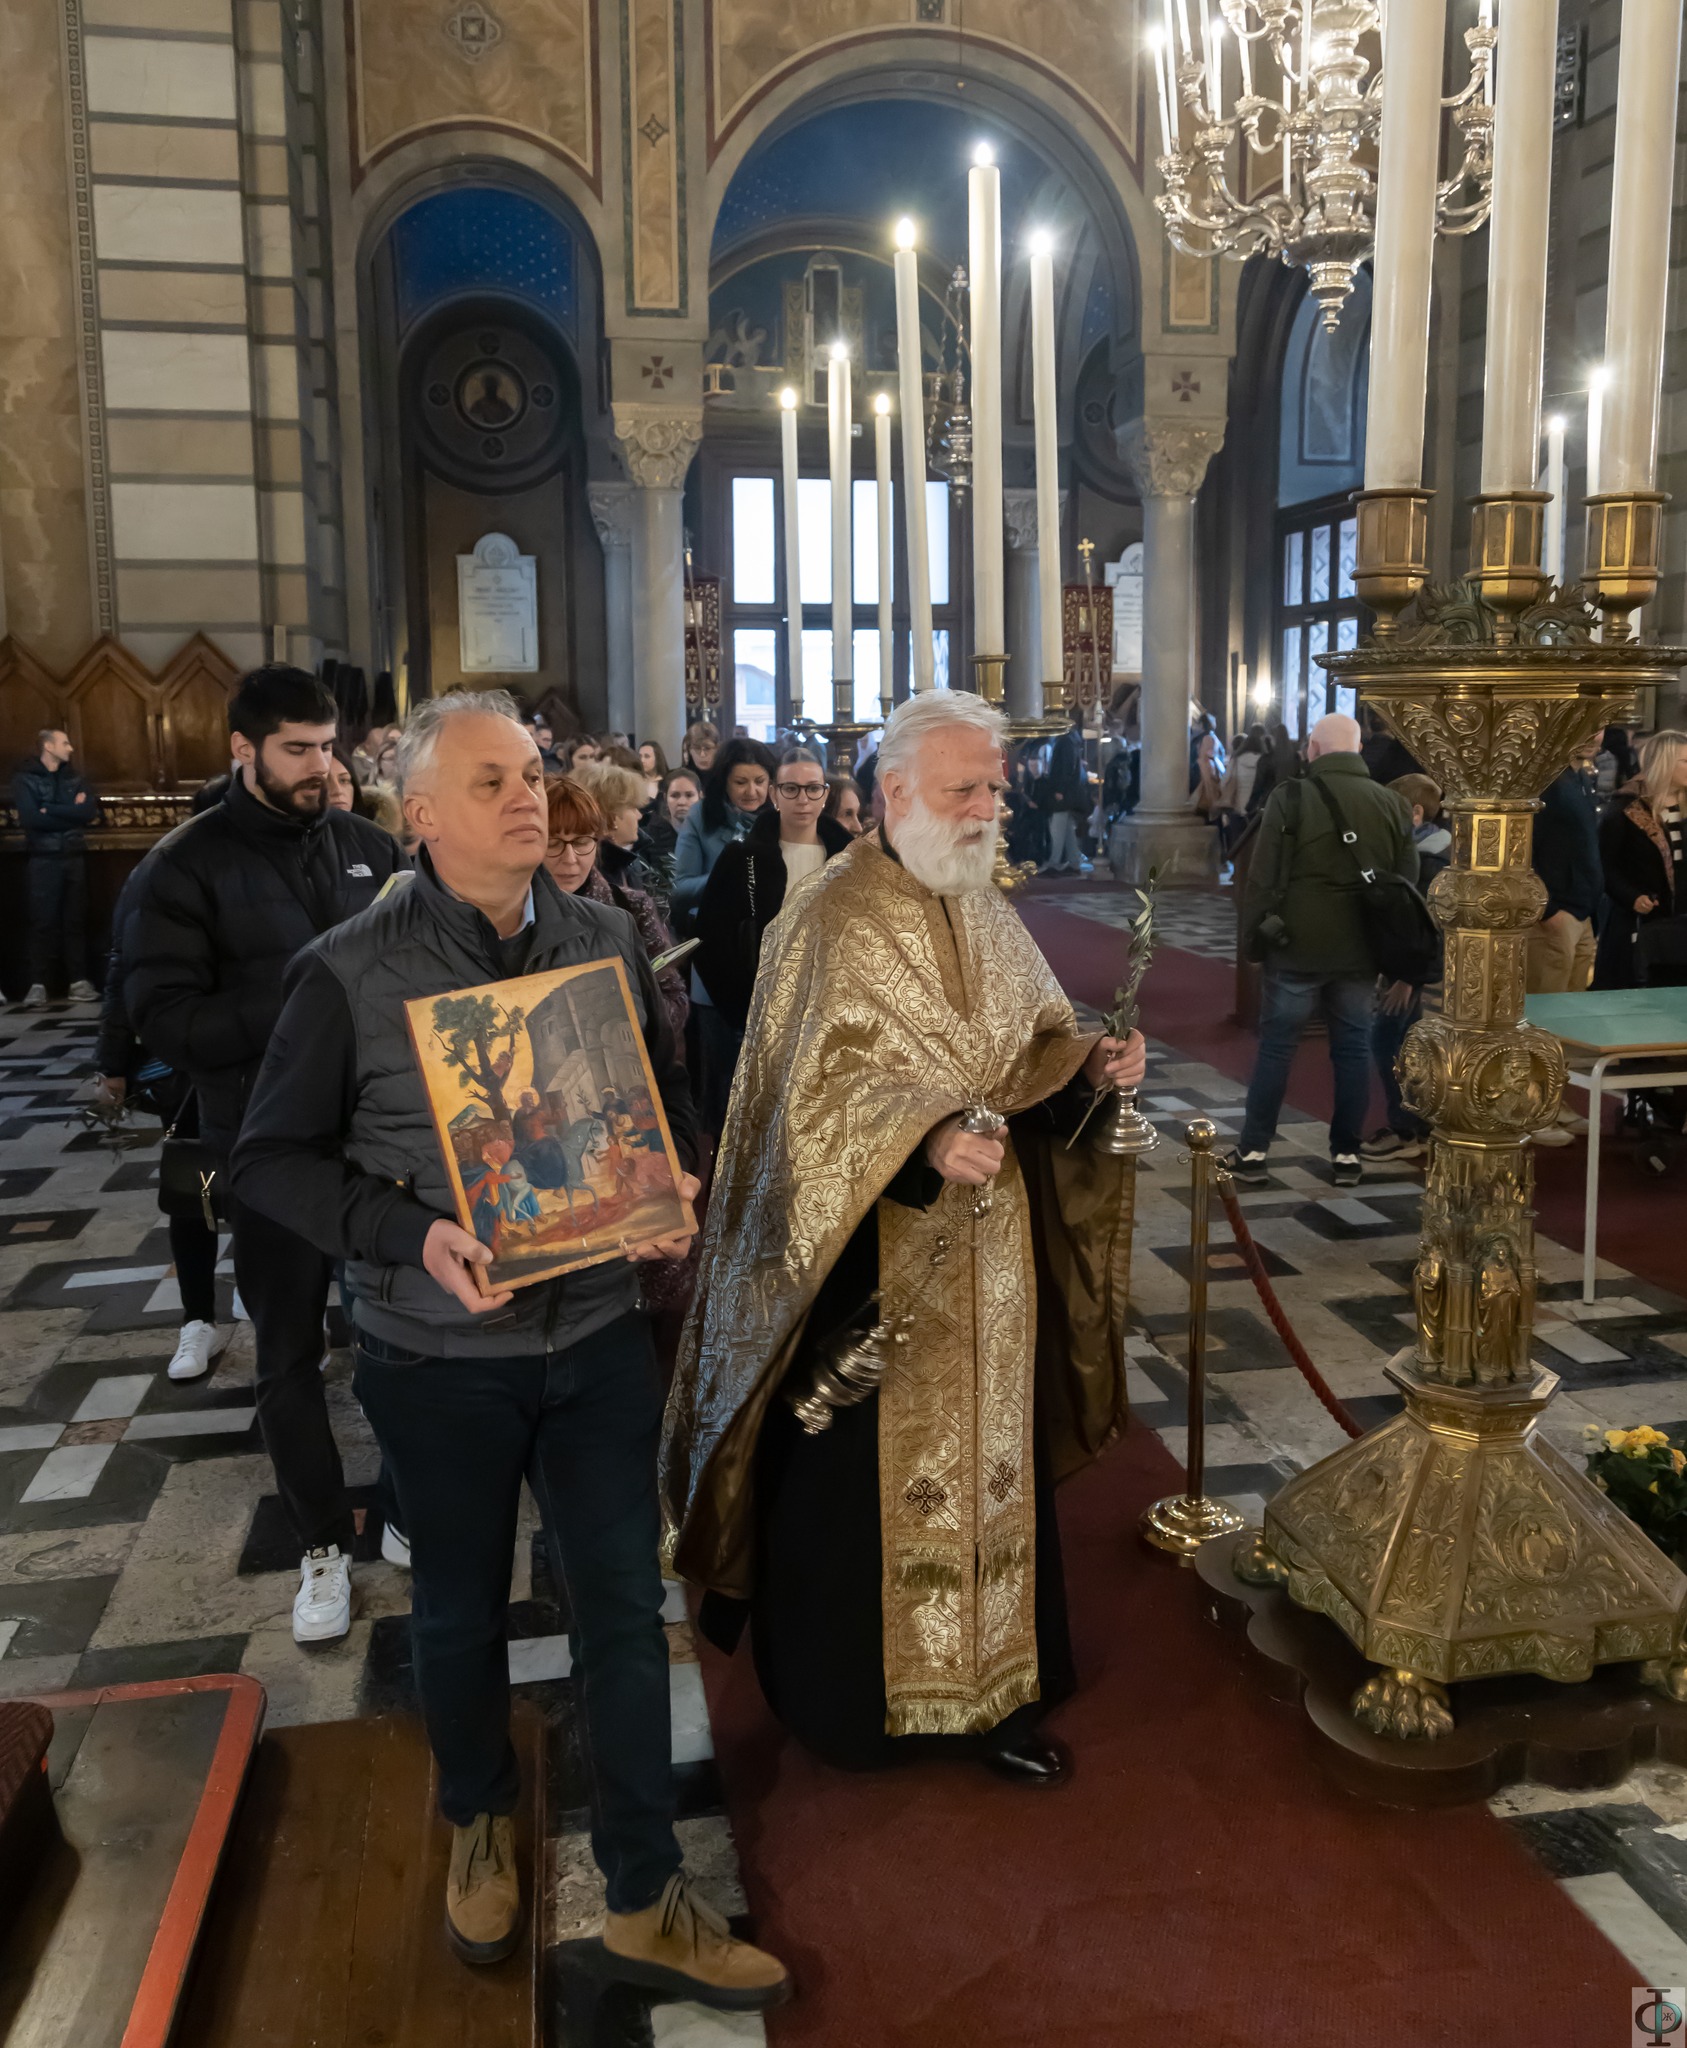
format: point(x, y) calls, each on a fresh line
point(788, 399)
point(1156, 40)
point(1598, 378)
point(840, 351)
point(1042, 242)
point(1555, 425)
point(984, 156)
point(881, 404)
point(905, 233)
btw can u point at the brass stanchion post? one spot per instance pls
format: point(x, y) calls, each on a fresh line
point(1182, 1522)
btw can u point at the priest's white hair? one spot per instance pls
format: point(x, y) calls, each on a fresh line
point(911, 723)
point(419, 739)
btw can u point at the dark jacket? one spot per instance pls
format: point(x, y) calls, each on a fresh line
point(1301, 869)
point(610, 882)
point(1066, 786)
point(228, 899)
point(339, 1142)
point(55, 807)
point(744, 895)
point(1566, 852)
point(1635, 865)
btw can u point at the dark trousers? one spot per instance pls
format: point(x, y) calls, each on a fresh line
point(721, 1042)
point(283, 1281)
point(193, 1250)
point(58, 915)
point(581, 1425)
point(1388, 1034)
point(1287, 999)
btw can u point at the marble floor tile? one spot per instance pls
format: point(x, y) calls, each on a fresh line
point(70, 1473)
point(120, 1394)
point(1657, 1953)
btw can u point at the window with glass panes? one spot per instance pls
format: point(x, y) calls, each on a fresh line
point(753, 612)
point(1318, 608)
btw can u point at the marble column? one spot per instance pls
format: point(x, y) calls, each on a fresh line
point(657, 444)
point(1170, 458)
point(1025, 679)
point(613, 514)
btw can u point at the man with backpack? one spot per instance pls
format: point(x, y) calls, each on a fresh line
point(1330, 883)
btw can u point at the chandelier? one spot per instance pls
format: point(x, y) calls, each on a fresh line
point(1315, 131)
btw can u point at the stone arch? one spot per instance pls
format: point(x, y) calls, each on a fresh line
point(1002, 87)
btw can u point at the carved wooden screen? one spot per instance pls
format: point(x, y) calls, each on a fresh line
point(1087, 646)
point(132, 730)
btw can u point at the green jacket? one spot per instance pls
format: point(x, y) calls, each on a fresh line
point(1301, 869)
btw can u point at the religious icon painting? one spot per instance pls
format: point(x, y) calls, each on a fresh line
point(549, 1120)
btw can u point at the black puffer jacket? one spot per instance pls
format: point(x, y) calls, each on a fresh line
point(221, 906)
point(56, 806)
point(745, 893)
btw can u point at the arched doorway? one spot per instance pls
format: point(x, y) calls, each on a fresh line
point(482, 297)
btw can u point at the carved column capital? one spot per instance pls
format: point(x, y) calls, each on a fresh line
point(1169, 457)
point(658, 442)
point(1020, 510)
point(612, 513)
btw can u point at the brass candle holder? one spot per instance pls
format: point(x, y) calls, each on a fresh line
point(1452, 1542)
point(1623, 533)
point(1393, 563)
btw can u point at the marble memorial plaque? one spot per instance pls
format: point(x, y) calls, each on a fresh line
point(498, 608)
point(1124, 579)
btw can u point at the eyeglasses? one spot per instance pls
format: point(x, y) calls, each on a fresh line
point(580, 848)
point(808, 792)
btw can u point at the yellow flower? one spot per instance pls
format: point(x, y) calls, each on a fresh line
point(1679, 1460)
point(1653, 1487)
point(1646, 1435)
point(1615, 1439)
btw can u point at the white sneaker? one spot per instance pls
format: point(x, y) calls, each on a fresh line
point(322, 1611)
point(395, 1546)
point(84, 991)
point(34, 999)
point(198, 1344)
point(240, 1315)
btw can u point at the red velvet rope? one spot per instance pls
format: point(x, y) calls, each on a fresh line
point(1274, 1308)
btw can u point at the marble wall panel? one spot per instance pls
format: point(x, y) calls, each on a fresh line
point(652, 155)
point(168, 80)
point(189, 598)
point(216, 298)
point(1091, 50)
point(153, 149)
point(756, 39)
point(153, 372)
point(171, 522)
point(43, 504)
point(276, 364)
point(167, 224)
point(418, 65)
point(163, 447)
point(282, 521)
point(194, 17)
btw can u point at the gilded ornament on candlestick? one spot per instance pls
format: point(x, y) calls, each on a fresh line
point(1452, 1542)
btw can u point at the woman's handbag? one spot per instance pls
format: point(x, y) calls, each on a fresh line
point(188, 1170)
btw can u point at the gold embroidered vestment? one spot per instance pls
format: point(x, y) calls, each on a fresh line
point(880, 1009)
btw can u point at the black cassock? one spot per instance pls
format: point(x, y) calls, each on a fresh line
point(816, 1616)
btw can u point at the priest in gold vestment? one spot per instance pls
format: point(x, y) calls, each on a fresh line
point(896, 1160)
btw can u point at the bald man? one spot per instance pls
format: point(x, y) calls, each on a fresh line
point(1301, 920)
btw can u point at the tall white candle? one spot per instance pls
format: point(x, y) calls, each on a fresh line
point(793, 546)
point(1596, 384)
point(881, 470)
point(1552, 540)
point(1162, 68)
point(911, 392)
point(1517, 229)
point(1045, 408)
point(984, 244)
point(838, 440)
point(1637, 287)
point(1405, 245)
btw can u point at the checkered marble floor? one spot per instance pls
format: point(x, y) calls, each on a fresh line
point(140, 1536)
point(1196, 920)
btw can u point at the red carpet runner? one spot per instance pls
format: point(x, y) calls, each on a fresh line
point(1196, 1882)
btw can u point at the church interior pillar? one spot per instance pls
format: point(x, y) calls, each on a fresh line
point(1170, 460)
point(614, 513)
point(657, 444)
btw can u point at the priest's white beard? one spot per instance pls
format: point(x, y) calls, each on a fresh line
point(949, 855)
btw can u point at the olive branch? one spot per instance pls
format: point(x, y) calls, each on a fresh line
point(1126, 1013)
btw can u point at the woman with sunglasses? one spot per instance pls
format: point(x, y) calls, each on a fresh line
point(742, 897)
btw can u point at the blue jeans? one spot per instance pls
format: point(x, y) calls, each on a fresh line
point(1287, 999)
point(581, 1425)
point(1388, 1034)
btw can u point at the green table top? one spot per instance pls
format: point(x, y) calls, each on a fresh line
point(1615, 1020)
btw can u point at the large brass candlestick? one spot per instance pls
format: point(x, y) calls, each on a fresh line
point(1451, 1542)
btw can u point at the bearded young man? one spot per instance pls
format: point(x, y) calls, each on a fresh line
point(900, 1564)
point(221, 905)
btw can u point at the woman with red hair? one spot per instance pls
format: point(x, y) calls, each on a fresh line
point(577, 824)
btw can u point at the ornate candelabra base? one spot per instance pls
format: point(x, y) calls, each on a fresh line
point(1120, 1130)
point(1182, 1522)
point(1453, 1542)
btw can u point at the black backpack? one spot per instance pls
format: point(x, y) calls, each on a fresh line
point(1404, 939)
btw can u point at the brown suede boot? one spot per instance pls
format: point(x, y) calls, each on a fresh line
point(483, 1890)
point(685, 1948)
